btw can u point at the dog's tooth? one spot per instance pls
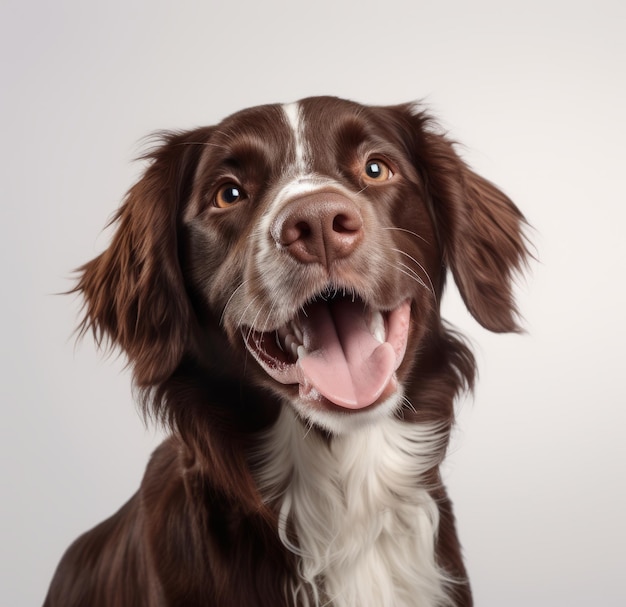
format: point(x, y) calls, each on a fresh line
point(281, 337)
point(291, 343)
point(377, 326)
point(297, 332)
point(301, 352)
point(279, 341)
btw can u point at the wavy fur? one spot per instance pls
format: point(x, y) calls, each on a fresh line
point(267, 493)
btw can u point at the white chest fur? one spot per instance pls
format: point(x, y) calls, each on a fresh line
point(354, 513)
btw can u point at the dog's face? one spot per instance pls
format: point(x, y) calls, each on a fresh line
point(310, 234)
point(304, 246)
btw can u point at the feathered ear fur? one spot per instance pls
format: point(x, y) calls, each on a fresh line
point(486, 251)
point(134, 293)
point(480, 229)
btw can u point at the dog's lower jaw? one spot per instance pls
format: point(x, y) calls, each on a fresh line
point(337, 421)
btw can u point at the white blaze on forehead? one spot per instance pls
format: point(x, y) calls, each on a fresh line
point(300, 177)
point(294, 118)
point(305, 184)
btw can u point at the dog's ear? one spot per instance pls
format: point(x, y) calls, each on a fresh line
point(480, 229)
point(134, 296)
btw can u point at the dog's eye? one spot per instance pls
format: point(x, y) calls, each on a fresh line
point(376, 170)
point(228, 195)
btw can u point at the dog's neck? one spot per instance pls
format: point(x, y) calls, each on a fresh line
point(356, 512)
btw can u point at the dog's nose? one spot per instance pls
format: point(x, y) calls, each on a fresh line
point(319, 228)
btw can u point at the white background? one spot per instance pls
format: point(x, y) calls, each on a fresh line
point(535, 90)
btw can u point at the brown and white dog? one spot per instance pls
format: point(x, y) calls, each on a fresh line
point(275, 282)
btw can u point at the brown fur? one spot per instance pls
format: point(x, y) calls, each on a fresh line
point(199, 532)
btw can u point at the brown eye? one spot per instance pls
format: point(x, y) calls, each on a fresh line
point(376, 170)
point(228, 195)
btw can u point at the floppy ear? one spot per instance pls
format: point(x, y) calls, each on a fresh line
point(134, 292)
point(480, 229)
point(486, 250)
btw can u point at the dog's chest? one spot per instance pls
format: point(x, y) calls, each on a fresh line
point(355, 516)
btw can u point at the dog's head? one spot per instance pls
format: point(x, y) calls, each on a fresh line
point(304, 248)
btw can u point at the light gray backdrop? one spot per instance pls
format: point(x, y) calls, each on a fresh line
point(535, 90)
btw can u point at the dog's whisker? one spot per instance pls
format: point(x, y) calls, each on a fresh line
point(409, 404)
point(309, 427)
point(253, 324)
point(397, 229)
point(268, 316)
point(413, 273)
point(410, 273)
point(243, 314)
point(421, 267)
point(430, 282)
point(243, 284)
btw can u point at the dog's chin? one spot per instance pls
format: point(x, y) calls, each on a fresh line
point(326, 416)
point(337, 358)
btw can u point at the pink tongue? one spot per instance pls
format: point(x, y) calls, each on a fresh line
point(344, 361)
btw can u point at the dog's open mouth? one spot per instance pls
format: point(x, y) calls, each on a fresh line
point(337, 348)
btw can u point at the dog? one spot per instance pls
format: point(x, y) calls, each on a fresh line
point(275, 283)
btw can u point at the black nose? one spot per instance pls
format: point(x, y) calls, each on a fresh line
point(319, 228)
